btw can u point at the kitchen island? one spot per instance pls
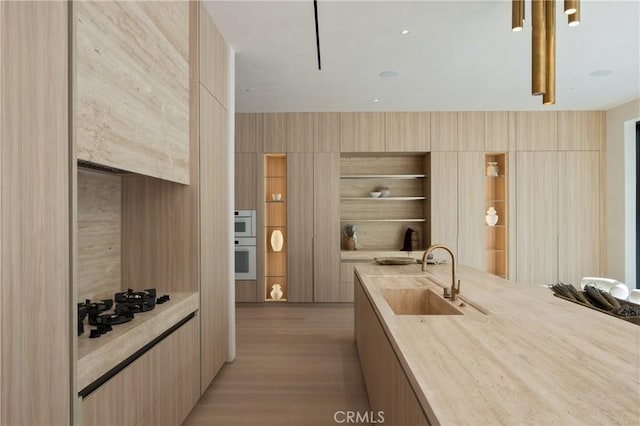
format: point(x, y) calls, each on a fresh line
point(516, 355)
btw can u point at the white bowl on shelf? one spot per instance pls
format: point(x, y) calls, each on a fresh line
point(375, 194)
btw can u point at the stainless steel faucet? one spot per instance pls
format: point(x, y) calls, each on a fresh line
point(454, 291)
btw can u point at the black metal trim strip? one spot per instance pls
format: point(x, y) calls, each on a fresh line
point(315, 11)
point(121, 366)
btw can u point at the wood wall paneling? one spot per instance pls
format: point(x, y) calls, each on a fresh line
point(407, 131)
point(496, 131)
point(444, 200)
point(245, 181)
point(362, 132)
point(300, 131)
point(536, 131)
point(132, 86)
point(579, 216)
point(444, 131)
point(326, 132)
point(215, 236)
point(99, 226)
point(581, 130)
point(300, 216)
point(537, 227)
point(35, 280)
point(246, 132)
point(471, 210)
point(471, 131)
point(326, 223)
point(214, 57)
point(274, 132)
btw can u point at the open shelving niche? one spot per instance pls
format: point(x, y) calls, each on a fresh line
point(275, 182)
point(496, 196)
point(382, 222)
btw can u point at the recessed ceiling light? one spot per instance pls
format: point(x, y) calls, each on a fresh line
point(387, 74)
point(600, 73)
point(404, 32)
point(376, 100)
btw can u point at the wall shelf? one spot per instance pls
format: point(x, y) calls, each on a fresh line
point(379, 176)
point(383, 222)
point(275, 182)
point(382, 198)
point(497, 236)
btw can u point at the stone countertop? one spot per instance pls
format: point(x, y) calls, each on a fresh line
point(518, 355)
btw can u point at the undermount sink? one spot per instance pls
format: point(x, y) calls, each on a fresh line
point(418, 301)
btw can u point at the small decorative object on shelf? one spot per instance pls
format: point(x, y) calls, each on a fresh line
point(276, 196)
point(277, 240)
point(350, 235)
point(492, 168)
point(491, 218)
point(276, 292)
point(385, 192)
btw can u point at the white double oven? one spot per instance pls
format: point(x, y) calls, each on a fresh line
point(245, 244)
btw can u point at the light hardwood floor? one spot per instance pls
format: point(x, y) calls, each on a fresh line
point(295, 365)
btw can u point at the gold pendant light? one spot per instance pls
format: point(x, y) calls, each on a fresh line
point(543, 42)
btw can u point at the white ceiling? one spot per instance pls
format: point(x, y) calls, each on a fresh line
point(459, 55)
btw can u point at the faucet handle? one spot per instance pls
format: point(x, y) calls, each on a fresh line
point(447, 293)
point(458, 288)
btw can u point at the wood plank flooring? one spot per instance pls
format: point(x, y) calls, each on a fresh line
point(296, 364)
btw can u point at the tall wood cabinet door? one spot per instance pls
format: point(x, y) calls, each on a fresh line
point(536, 131)
point(213, 58)
point(579, 215)
point(274, 132)
point(35, 214)
point(215, 212)
point(326, 228)
point(496, 131)
point(300, 131)
point(245, 181)
point(537, 217)
point(444, 131)
point(326, 133)
point(471, 131)
point(408, 131)
point(362, 132)
point(471, 211)
point(444, 199)
point(300, 227)
point(246, 129)
point(581, 130)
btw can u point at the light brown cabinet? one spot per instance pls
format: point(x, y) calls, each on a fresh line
point(245, 181)
point(444, 131)
point(300, 131)
point(273, 134)
point(579, 244)
point(581, 130)
point(214, 58)
point(471, 211)
point(407, 131)
point(214, 238)
point(326, 228)
point(496, 131)
point(362, 132)
point(471, 131)
point(300, 212)
point(35, 242)
point(246, 125)
point(536, 131)
point(131, 89)
point(537, 221)
point(443, 201)
point(326, 133)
